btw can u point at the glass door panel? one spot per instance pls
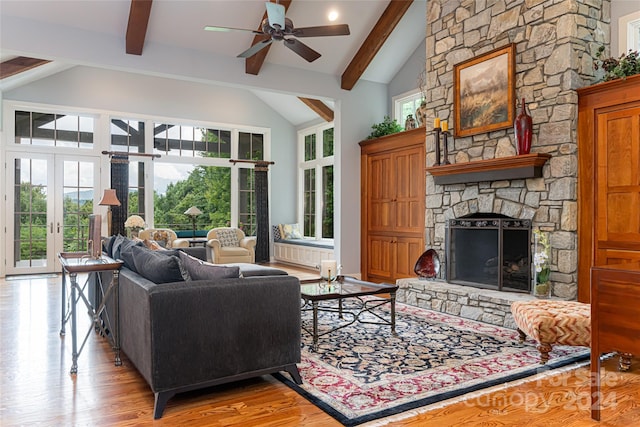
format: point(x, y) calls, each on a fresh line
point(52, 198)
point(78, 197)
point(29, 206)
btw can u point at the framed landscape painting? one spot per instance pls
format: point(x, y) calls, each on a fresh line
point(484, 92)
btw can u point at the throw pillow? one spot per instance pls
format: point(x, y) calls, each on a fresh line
point(159, 266)
point(162, 237)
point(115, 248)
point(107, 245)
point(201, 270)
point(153, 245)
point(126, 253)
point(292, 231)
point(228, 237)
point(277, 236)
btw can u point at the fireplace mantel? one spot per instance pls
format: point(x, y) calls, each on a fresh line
point(513, 167)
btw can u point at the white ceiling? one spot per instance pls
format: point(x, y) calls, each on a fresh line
point(179, 24)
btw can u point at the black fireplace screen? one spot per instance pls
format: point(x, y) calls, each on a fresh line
point(490, 253)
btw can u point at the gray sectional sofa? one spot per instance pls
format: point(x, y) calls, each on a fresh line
point(187, 335)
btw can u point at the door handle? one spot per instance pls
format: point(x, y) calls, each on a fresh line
point(58, 227)
point(51, 228)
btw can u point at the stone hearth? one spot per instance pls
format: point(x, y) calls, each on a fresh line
point(485, 305)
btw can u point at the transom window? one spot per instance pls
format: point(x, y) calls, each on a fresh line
point(190, 141)
point(54, 130)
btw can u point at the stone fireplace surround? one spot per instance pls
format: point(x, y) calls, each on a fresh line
point(556, 44)
point(486, 305)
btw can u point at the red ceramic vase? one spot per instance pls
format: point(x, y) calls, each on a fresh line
point(523, 127)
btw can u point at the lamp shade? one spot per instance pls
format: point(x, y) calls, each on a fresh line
point(109, 198)
point(193, 211)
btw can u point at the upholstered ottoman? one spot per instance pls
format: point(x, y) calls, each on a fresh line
point(553, 322)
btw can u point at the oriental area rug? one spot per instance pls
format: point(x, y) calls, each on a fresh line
point(362, 372)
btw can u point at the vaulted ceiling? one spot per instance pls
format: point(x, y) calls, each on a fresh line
point(383, 35)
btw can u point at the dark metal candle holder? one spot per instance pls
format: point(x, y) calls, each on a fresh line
point(437, 131)
point(445, 161)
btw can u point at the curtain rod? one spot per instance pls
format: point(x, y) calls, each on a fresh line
point(124, 153)
point(255, 162)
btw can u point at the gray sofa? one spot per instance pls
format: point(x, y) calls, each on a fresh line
point(190, 335)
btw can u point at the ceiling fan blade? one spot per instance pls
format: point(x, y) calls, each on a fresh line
point(275, 14)
point(302, 49)
point(227, 29)
point(322, 31)
point(255, 48)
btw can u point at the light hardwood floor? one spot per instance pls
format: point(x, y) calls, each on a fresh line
point(37, 389)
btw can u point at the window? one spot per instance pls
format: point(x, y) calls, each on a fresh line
point(128, 135)
point(190, 141)
point(205, 180)
point(316, 176)
point(406, 104)
point(629, 32)
point(53, 130)
point(193, 170)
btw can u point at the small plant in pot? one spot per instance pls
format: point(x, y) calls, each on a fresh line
point(628, 64)
point(387, 127)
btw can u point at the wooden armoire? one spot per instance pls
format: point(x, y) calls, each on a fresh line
point(392, 205)
point(608, 177)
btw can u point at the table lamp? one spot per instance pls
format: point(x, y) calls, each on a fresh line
point(109, 198)
point(193, 212)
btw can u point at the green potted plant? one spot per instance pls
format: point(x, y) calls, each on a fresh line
point(386, 127)
point(628, 64)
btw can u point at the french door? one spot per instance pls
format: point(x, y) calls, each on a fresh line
point(49, 200)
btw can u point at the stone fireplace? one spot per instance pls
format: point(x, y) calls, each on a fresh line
point(555, 47)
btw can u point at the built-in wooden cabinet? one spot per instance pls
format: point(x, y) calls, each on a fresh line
point(609, 177)
point(393, 208)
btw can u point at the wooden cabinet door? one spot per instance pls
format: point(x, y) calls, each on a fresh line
point(407, 252)
point(618, 186)
point(380, 258)
point(409, 190)
point(391, 258)
point(380, 183)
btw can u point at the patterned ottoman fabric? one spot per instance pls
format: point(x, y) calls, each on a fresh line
point(553, 322)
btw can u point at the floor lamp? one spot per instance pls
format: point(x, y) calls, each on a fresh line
point(109, 199)
point(193, 212)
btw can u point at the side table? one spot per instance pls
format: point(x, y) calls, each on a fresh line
point(80, 262)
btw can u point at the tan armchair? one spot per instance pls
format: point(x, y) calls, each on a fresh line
point(227, 245)
point(165, 235)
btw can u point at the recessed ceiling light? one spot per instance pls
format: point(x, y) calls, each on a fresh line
point(333, 15)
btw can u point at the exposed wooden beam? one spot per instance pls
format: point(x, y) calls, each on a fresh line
point(14, 66)
point(137, 26)
point(253, 64)
point(319, 107)
point(374, 41)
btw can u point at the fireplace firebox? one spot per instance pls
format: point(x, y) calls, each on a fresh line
point(489, 251)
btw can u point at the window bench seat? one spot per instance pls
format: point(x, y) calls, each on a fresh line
point(305, 252)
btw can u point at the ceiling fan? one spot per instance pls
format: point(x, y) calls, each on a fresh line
point(279, 28)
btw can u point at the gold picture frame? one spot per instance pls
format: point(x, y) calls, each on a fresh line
point(484, 92)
